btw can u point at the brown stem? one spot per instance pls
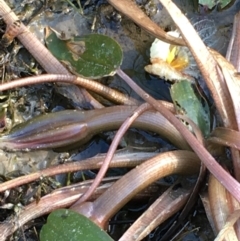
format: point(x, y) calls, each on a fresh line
point(205, 201)
point(227, 180)
point(233, 51)
point(228, 75)
point(178, 162)
point(222, 207)
point(232, 82)
point(61, 198)
point(32, 44)
point(38, 132)
point(92, 85)
point(195, 191)
point(57, 199)
point(119, 160)
point(225, 137)
point(170, 202)
point(113, 147)
point(226, 204)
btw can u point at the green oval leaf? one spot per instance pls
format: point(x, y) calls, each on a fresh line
point(190, 103)
point(65, 224)
point(91, 56)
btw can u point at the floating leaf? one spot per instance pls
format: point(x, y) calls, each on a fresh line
point(189, 102)
point(91, 56)
point(65, 224)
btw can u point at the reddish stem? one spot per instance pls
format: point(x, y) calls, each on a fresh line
point(227, 180)
point(121, 131)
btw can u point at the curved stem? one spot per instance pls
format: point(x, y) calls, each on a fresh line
point(222, 207)
point(58, 199)
point(178, 162)
point(121, 131)
point(170, 202)
point(38, 132)
point(227, 180)
point(92, 85)
point(119, 160)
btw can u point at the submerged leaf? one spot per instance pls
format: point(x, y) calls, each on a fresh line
point(91, 56)
point(65, 224)
point(188, 102)
point(211, 3)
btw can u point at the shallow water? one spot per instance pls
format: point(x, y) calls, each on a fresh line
point(135, 43)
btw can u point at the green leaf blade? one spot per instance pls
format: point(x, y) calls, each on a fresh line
point(96, 56)
point(190, 103)
point(65, 224)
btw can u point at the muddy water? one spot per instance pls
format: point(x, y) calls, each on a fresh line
point(102, 18)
